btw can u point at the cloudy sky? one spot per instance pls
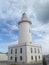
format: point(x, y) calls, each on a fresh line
point(10, 14)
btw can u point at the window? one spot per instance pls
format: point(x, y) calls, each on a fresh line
point(15, 59)
point(11, 58)
point(11, 51)
point(38, 50)
point(39, 57)
point(15, 50)
point(31, 50)
point(20, 57)
point(20, 50)
point(35, 50)
point(31, 57)
point(36, 58)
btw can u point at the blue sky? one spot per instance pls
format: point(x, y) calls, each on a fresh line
point(10, 14)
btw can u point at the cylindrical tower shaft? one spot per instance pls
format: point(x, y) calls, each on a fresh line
point(24, 30)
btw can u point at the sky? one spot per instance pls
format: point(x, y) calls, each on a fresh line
point(10, 14)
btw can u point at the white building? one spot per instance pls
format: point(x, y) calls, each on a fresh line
point(25, 51)
point(3, 56)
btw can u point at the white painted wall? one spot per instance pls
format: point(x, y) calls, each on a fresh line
point(29, 54)
point(3, 57)
point(24, 33)
point(26, 53)
point(23, 54)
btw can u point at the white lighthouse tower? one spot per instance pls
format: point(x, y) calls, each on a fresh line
point(25, 51)
point(24, 30)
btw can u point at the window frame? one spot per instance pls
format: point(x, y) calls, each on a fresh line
point(38, 50)
point(11, 51)
point(31, 57)
point(20, 50)
point(39, 57)
point(21, 58)
point(16, 51)
point(11, 58)
point(35, 50)
point(31, 50)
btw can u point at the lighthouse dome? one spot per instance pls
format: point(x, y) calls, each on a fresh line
point(24, 19)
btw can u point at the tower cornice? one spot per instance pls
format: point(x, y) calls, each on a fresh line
point(24, 19)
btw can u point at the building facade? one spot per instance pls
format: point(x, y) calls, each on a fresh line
point(3, 56)
point(25, 51)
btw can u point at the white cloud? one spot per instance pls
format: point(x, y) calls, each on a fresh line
point(14, 27)
point(35, 9)
point(13, 43)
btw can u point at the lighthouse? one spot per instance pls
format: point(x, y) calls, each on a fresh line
point(25, 51)
point(24, 30)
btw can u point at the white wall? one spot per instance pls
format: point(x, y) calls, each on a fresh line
point(29, 54)
point(23, 54)
point(3, 57)
point(24, 34)
point(26, 53)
